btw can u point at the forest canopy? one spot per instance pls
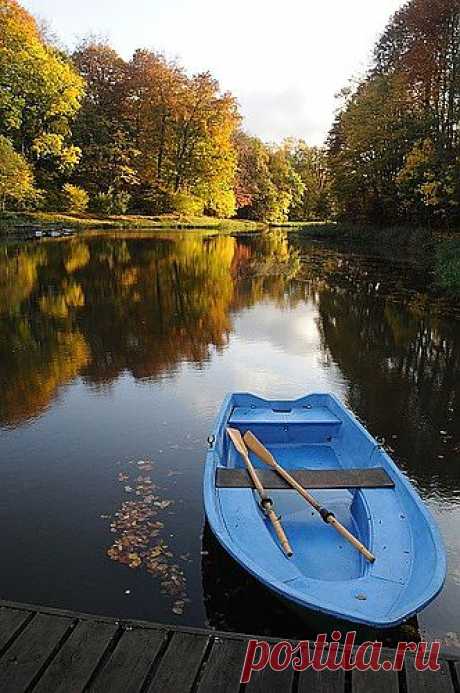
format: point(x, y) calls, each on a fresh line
point(92, 131)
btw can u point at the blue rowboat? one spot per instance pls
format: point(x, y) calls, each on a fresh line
point(328, 451)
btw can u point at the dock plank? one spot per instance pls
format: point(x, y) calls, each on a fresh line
point(374, 682)
point(322, 681)
point(428, 681)
point(71, 669)
point(10, 622)
point(55, 651)
point(269, 681)
point(127, 667)
point(180, 664)
point(222, 671)
point(24, 659)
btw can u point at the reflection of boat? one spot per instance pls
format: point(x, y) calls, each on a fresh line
point(228, 589)
point(318, 435)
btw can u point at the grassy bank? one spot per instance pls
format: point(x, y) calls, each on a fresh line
point(20, 222)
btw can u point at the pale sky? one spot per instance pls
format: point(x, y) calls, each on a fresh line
point(283, 59)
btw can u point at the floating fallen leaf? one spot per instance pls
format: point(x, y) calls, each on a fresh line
point(135, 560)
point(138, 541)
point(163, 504)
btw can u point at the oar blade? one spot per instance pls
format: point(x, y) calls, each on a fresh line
point(237, 440)
point(260, 450)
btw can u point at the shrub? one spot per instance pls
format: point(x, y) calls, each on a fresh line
point(16, 177)
point(101, 203)
point(120, 203)
point(111, 202)
point(186, 204)
point(447, 267)
point(150, 201)
point(222, 204)
point(74, 199)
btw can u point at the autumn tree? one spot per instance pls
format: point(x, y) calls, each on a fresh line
point(422, 42)
point(40, 94)
point(394, 147)
point(103, 130)
point(311, 165)
point(267, 183)
point(183, 129)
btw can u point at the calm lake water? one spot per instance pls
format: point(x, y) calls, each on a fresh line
point(115, 354)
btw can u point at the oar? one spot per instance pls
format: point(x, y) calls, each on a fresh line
point(328, 517)
point(265, 502)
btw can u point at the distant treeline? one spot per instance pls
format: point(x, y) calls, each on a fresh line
point(93, 131)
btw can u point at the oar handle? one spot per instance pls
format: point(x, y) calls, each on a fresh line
point(352, 539)
point(282, 538)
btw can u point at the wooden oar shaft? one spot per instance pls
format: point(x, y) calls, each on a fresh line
point(266, 502)
point(331, 520)
point(298, 487)
point(265, 455)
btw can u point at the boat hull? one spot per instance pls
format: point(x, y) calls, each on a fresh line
point(326, 574)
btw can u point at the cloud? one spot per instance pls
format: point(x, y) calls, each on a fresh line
point(275, 115)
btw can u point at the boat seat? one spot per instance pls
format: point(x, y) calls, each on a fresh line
point(375, 477)
point(250, 416)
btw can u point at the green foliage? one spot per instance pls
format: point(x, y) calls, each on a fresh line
point(16, 177)
point(103, 130)
point(40, 94)
point(448, 266)
point(221, 203)
point(75, 199)
point(368, 146)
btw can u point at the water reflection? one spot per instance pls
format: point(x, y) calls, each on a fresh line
point(113, 346)
point(226, 586)
point(103, 306)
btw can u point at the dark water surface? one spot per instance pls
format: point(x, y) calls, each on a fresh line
point(118, 349)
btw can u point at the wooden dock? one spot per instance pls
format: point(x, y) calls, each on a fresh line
point(47, 650)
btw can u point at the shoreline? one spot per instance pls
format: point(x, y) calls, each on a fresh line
point(438, 251)
point(17, 224)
